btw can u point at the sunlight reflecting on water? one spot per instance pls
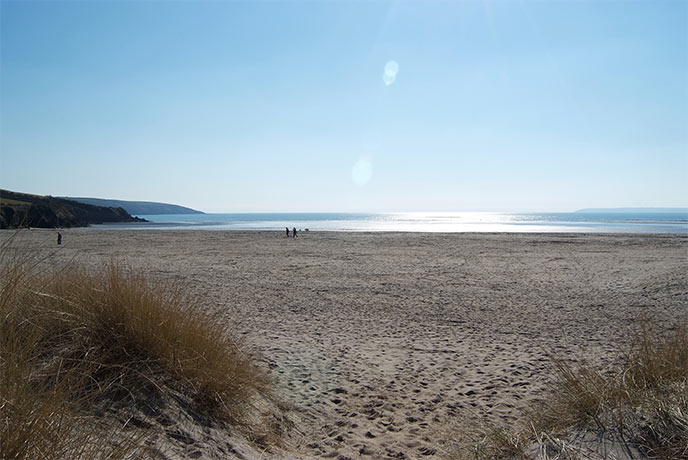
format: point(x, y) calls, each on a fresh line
point(449, 222)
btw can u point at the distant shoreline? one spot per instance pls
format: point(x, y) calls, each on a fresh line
point(633, 210)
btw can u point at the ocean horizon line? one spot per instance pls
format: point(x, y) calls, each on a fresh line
point(648, 209)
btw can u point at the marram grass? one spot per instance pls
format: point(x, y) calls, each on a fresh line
point(76, 344)
point(638, 410)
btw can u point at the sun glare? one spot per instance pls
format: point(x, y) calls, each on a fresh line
point(390, 74)
point(362, 171)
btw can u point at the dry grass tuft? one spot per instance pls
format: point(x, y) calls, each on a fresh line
point(656, 360)
point(641, 408)
point(77, 344)
point(139, 336)
point(644, 403)
point(500, 442)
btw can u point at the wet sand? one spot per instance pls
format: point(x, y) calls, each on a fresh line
point(387, 345)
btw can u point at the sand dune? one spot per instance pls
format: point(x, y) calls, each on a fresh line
point(385, 345)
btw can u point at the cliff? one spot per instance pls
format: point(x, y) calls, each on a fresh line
point(25, 210)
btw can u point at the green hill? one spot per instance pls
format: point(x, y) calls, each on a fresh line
point(26, 210)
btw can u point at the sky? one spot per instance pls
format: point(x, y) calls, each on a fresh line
point(351, 106)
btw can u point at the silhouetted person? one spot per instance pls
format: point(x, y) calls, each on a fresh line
point(287, 232)
point(59, 238)
point(294, 232)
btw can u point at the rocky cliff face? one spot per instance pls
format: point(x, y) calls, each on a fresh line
point(24, 210)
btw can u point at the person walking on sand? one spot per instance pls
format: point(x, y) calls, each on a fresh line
point(287, 232)
point(59, 238)
point(294, 232)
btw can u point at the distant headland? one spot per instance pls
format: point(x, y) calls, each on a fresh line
point(633, 210)
point(26, 210)
point(137, 208)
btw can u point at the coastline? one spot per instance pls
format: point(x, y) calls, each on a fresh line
point(388, 342)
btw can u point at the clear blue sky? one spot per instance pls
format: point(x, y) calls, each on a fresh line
point(286, 106)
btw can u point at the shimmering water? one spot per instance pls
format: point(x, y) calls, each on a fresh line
point(597, 222)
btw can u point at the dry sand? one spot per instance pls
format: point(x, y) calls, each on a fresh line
point(389, 345)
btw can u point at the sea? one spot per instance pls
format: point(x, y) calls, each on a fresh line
point(675, 222)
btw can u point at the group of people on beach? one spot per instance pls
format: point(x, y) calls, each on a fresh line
point(293, 232)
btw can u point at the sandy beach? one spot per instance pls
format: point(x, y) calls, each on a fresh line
point(391, 345)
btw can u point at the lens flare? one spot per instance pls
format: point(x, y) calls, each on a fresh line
point(390, 73)
point(362, 172)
